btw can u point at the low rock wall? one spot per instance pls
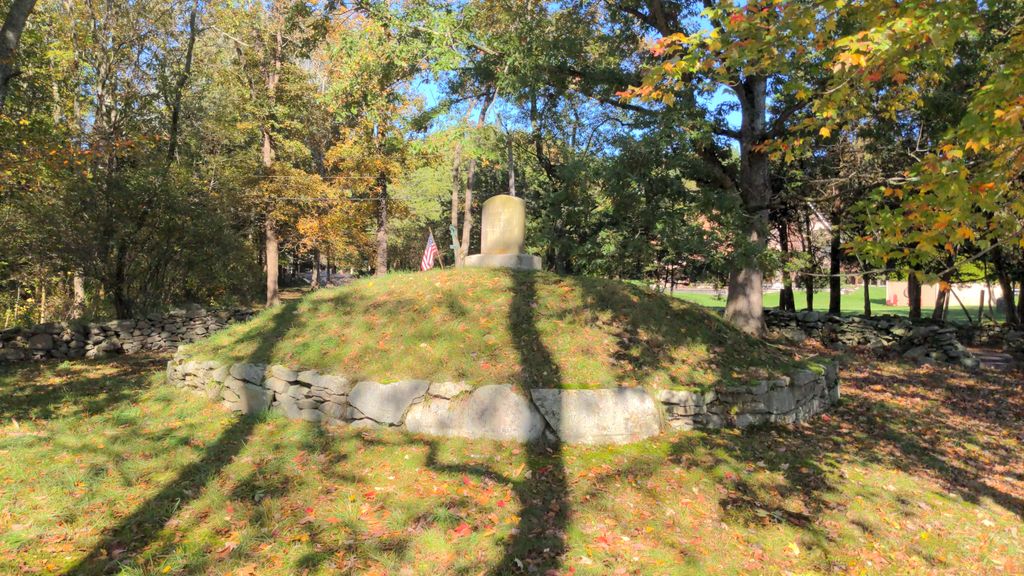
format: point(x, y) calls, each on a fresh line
point(501, 411)
point(155, 332)
point(923, 340)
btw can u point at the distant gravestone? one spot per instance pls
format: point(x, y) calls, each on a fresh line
point(503, 236)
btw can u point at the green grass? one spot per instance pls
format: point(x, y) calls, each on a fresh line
point(106, 470)
point(485, 326)
point(850, 304)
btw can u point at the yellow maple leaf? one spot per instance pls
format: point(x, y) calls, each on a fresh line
point(825, 131)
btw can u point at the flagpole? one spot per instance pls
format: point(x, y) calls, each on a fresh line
point(440, 256)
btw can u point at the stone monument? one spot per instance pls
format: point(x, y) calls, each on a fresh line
point(503, 236)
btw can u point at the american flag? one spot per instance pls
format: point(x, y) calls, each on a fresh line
point(429, 254)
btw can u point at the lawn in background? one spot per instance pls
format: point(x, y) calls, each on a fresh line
point(105, 469)
point(850, 304)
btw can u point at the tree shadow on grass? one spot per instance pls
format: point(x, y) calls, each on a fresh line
point(539, 542)
point(892, 422)
point(122, 543)
point(73, 391)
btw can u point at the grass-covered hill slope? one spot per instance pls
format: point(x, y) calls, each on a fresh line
point(491, 326)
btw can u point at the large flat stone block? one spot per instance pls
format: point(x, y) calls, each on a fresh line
point(611, 416)
point(495, 412)
point(386, 403)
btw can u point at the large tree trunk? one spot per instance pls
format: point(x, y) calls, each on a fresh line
point(382, 228)
point(914, 295)
point(786, 299)
point(1006, 284)
point(271, 250)
point(10, 36)
point(270, 243)
point(835, 280)
point(744, 306)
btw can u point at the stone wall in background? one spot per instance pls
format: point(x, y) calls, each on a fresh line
point(501, 411)
point(922, 340)
point(94, 340)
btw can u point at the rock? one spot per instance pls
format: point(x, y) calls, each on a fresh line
point(386, 403)
point(916, 352)
point(308, 403)
point(289, 408)
point(277, 385)
point(254, 399)
point(283, 373)
point(252, 373)
point(11, 355)
point(793, 334)
point(335, 385)
point(298, 392)
point(681, 397)
point(333, 410)
point(448, 389)
point(616, 416)
point(803, 377)
point(494, 412)
point(311, 415)
point(41, 342)
point(307, 376)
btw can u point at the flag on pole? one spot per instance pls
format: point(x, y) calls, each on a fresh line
point(429, 254)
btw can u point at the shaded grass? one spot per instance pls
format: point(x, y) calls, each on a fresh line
point(462, 325)
point(916, 472)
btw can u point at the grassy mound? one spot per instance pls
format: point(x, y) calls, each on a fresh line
point(489, 326)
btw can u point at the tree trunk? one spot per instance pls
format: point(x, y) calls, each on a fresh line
point(1006, 284)
point(939, 312)
point(1020, 303)
point(744, 305)
point(78, 298)
point(867, 295)
point(271, 251)
point(835, 280)
point(314, 279)
point(382, 227)
point(456, 190)
point(809, 292)
point(914, 295)
point(467, 219)
point(786, 298)
point(10, 36)
point(179, 87)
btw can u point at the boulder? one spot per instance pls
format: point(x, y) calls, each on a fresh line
point(495, 412)
point(609, 416)
point(41, 342)
point(386, 403)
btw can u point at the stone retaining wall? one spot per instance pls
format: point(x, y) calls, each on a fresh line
point(501, 411)
point(921, 340)
point(155, 332)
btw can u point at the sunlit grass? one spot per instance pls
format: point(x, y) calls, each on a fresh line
point(107, 470)
point(469, 325)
